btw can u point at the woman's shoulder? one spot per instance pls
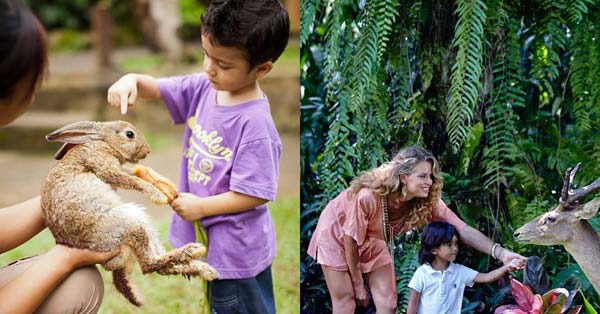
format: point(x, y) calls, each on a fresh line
point(440, 206)
point(367, 197)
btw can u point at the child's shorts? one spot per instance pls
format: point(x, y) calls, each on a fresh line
point(247, 296)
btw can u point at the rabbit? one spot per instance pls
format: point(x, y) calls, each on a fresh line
point(82, 210)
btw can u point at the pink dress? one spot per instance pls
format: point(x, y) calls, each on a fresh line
point(361, 219)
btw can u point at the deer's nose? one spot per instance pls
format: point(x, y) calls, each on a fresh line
point(516, 234)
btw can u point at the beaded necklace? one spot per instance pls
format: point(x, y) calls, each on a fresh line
point(387, 229)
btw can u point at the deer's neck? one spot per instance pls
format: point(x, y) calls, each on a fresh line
point(585, 248)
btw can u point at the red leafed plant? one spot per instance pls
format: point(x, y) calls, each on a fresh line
point(555, 301)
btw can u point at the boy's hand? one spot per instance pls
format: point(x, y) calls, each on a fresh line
point(123, 92)
point(188, 206)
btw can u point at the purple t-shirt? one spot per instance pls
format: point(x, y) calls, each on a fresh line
point(226, 148)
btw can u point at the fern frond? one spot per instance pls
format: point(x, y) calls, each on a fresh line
point(576, 9)
point(336, 166)
point(406, 264)
point(466, 70)
point(308, 10)
point(500, 151)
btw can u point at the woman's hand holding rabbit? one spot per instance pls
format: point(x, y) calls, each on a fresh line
point(76, 258)
point(188, 206)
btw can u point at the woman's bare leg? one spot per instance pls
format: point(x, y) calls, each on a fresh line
point(340, 288)
point(382, 282)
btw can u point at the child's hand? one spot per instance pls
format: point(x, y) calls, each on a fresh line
point(123, 92)
point(188, 206)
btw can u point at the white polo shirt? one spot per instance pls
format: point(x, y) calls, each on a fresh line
point(441, 292)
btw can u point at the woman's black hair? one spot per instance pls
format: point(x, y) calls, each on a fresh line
point(23, 48)
point(434, 235)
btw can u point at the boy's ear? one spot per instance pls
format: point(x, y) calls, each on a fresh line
point(263, 69)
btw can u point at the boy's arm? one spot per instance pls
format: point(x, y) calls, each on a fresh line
point(126, 90)
point(413, 302)
point(191, 207)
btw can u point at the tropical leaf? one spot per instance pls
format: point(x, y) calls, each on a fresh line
point(466, 71)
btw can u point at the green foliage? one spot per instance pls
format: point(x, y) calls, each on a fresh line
point(72, 14)
point(466, 70)
point(68, 40)
point(406, 264)
point(191, 11)
point(505, 93)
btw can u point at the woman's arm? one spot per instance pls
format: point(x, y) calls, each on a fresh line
point(351, 250)
point(19, 223)
point(475, 239)
point(27, 291)
point(413, 302)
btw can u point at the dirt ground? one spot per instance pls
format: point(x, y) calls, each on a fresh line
point(23, 173)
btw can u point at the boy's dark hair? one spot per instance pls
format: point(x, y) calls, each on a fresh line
point(434, 235)
point(23, 50)
point(260, 28)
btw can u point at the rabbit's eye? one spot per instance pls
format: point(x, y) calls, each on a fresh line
point(129, 134)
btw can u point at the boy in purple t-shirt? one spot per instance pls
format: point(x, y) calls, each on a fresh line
point(231, 149)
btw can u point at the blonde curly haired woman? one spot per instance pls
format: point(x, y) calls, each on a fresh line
point(354, 231)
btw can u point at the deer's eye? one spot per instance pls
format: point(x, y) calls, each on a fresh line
point(129, 134)
point(550, 219)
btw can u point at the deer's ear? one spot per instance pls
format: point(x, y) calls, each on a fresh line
point(588, 210)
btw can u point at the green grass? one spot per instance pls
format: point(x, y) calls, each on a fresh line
point(142, 63)
point(178, 295)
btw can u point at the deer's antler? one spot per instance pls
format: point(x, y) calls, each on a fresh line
point(570, 199)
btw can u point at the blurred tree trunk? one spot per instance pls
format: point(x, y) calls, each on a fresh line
point(159, 21)
point(102, 34)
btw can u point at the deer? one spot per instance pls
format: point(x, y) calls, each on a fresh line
point(566, 224)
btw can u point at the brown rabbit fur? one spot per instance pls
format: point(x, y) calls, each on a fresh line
point(83, 211)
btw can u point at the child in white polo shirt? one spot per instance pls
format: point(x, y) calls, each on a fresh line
point(438, 284)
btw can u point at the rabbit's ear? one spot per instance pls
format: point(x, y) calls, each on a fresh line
point(63, 150)
point(76, 133)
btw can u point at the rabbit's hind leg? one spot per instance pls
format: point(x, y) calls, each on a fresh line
point(180, 256)
point(125, 257)
point(123, 283)
point(195, 268)
point(140, 240)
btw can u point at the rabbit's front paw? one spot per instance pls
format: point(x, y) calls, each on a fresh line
point(195, 250)
point(159, 198)
point(204, 270)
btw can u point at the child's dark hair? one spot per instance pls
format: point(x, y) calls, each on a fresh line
point(23, 50)
point(434, 235)
point(260, 28)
